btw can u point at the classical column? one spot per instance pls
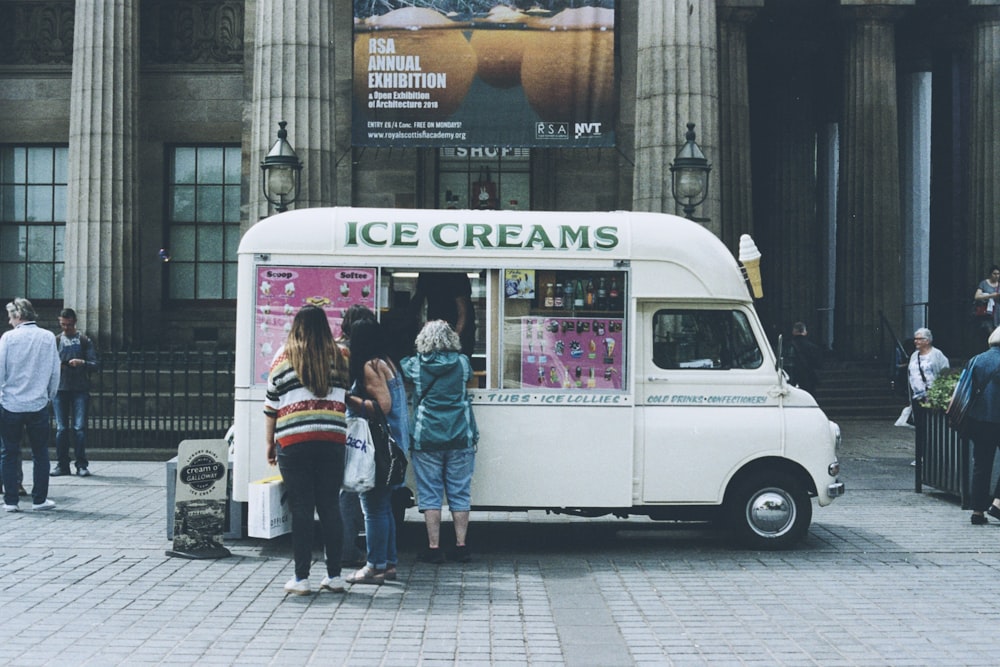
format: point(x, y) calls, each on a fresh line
point(98, 279)
point(869, 226)
point(294, 81)
point(984, 144)
point(676, 84)
point(736, 202)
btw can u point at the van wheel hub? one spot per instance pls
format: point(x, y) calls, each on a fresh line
point(770, 512)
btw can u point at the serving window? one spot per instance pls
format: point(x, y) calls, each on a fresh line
point(704, 340)
point(563, 330)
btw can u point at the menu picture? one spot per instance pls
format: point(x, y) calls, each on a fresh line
point(283, 290)
point(571, 352)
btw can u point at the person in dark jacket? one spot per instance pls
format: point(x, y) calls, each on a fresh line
point(78, 359)
point(984, 418)
point(803, 358)
point(444, 434)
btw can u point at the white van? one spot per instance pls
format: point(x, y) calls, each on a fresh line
point(621, 367)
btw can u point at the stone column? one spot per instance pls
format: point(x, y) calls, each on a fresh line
point(869, 226)
point(99, 274)
point(984, 144)
point(676, 84)
point(293, 80)
point(736, 202)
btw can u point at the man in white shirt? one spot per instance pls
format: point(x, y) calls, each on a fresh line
point(29, 380)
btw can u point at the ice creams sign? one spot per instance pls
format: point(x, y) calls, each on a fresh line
point(480, 236)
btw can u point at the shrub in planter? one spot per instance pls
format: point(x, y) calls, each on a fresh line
point(939, 394)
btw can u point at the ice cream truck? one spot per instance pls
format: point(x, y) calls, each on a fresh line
point(620, 365)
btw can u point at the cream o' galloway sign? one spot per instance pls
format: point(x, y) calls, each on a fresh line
point(200, 505)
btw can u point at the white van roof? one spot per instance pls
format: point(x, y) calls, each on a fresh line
point(669, 255)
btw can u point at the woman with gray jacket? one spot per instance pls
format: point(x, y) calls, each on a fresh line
point(984, 417)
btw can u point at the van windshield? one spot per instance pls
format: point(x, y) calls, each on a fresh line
point(704, 340)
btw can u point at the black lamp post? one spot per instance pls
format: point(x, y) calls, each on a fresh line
point(282, 170)
point(689, 172)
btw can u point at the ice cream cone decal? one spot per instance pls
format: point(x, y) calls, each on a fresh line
point(750, 259)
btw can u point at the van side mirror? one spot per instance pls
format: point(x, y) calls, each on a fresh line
point(779, 364)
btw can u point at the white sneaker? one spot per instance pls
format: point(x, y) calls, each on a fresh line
point(44, 505)
point(333, 584)
point(11, 508)
point(298, 586)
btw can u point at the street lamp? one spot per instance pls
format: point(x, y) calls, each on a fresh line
point(281, 169)
point(689, 172)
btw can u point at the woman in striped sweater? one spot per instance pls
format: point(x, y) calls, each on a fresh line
point(305, 430)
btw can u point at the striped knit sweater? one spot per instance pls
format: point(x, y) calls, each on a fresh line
point(301, 416)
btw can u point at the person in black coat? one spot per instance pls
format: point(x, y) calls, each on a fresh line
point(802, 359)
point(984, 417)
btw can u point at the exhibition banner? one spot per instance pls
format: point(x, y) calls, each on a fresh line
point(443, 73)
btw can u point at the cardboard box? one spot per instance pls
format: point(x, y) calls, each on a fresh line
point(269, 513)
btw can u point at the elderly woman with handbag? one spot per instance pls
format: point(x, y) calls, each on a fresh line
point(980, 382)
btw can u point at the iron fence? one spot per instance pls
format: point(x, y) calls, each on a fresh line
point(153, 399)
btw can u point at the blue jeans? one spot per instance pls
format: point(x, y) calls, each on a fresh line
point(70, 408)
point(446, 472)
point(12, 426)
point(380, 527)
point(313, 473)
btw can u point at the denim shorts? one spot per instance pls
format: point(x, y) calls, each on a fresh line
point(443, 473)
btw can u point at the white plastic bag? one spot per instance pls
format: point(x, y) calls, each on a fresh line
point(359, 460)
point(905, 417)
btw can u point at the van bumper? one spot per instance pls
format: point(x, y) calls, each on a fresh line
point(836, 489)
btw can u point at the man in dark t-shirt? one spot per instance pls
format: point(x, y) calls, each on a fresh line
point(449, 298)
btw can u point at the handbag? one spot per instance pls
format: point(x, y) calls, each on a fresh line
point(979, 310)
point(962, 400)
point(359, 461)
point(390, 461)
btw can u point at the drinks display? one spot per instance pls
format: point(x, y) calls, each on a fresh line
point(575, 292)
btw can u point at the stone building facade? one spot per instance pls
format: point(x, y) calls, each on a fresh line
point(854, 139)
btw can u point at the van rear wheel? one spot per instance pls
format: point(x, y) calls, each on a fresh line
point(770, 511)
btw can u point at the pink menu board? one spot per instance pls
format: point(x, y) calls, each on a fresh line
point(282, 290)
point(571, 352)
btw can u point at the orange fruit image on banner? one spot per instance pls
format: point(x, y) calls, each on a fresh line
point(568, 70)
point(414, 64)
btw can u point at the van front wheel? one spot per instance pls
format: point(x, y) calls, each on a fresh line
point(770, 511)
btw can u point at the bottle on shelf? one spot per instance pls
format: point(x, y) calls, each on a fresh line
point(550, 296)
point(578, 295)
point(602, 295)
point(614, 296)
point(568, 295)
point(559, 298)
point(589, 299)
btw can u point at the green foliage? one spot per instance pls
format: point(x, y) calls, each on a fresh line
point(942, 388)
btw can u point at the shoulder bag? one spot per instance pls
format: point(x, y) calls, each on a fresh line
point(962, 400)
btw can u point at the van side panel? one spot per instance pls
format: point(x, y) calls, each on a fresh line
point(540, 456)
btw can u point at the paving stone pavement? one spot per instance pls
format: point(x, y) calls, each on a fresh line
point(886, 577)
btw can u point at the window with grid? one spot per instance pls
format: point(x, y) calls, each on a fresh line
point(203, 222)
point(484, 178)
point(32, 221)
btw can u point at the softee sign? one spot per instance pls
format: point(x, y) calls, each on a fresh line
point(476, 235)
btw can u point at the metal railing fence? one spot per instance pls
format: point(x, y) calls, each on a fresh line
point(154, 399)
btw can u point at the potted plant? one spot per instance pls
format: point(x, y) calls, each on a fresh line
point(945, 460)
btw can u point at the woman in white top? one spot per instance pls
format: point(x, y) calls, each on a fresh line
point(925, 364)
